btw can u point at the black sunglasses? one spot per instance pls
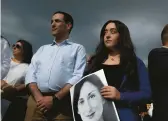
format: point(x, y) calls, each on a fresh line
point(17, 46)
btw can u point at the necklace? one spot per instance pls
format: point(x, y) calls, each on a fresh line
point(114, 58)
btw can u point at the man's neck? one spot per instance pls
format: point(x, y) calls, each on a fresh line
point(165, 45)
point(60, 39)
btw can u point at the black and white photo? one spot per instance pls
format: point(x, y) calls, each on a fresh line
point(87, 102)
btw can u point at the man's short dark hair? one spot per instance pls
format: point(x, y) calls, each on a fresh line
point(164, 34)
point(67, 18)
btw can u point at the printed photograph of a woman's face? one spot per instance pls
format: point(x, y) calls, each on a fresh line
point(88, 102)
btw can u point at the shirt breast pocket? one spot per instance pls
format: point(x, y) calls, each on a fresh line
point(68, 62)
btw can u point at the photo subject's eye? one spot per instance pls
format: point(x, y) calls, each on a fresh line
point(92, 96)
point(81, 102)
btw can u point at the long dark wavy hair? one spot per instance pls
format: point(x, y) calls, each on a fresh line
point(127, 54)
point(27, 51)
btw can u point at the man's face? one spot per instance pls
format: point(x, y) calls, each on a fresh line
point(58, 25)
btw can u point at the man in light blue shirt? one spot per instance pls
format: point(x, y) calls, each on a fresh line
point(53, 70)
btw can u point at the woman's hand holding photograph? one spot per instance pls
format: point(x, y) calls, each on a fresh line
point(110, 92)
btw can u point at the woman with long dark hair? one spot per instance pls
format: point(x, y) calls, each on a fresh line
point(13, 87)
point(126, 74)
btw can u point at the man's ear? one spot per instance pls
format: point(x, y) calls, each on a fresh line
point(69, 26)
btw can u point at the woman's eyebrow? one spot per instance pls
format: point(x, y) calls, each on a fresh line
point(91, 92)
point(113, 29)
point(80, 99)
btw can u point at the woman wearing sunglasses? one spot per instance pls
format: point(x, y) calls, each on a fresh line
point(13, 84)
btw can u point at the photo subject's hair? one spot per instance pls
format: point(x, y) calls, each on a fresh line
point(96, 81)
point(93, 79)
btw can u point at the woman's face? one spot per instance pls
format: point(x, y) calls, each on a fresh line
point(17, 49)
point(111, 35)
point(90, 103)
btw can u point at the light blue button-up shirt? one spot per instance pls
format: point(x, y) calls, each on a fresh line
point(55, 65)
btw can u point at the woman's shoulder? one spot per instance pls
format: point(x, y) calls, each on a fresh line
point(127, 114)
point(23, 68)
point(25, 65)
point(140, 61)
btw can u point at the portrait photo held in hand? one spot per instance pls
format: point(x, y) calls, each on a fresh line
point(87, 102)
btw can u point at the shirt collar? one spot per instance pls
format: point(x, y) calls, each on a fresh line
point(67, 41)
point(165, 47)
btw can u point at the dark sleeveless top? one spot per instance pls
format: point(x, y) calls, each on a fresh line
point(114, 74)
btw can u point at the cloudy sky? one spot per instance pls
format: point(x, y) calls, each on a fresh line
point(30, 20)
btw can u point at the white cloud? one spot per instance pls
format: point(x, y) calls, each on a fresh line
point(39, 22)
point(16, 26)
point(143, 31)
point(13, 25)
